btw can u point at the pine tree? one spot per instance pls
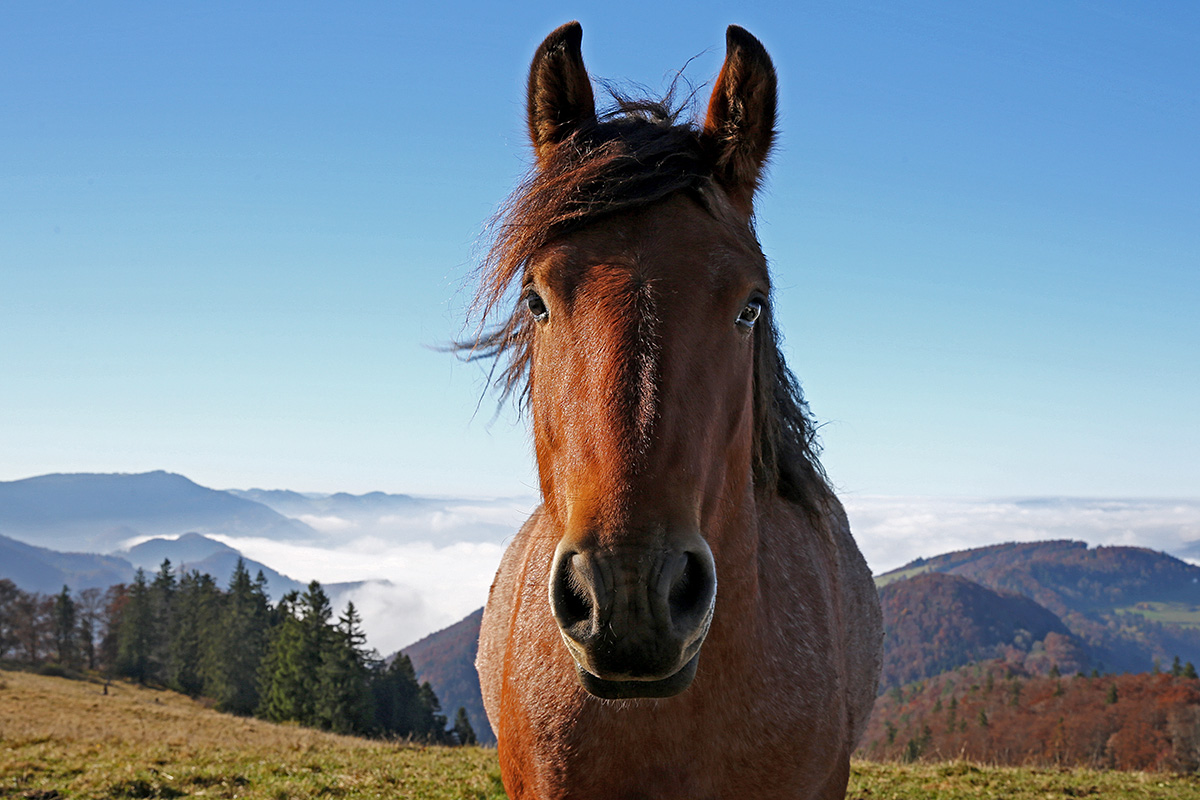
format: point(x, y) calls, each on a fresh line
point(463, 732)
point(238, 644)
point(114, 603)
point(402, 706)
point(162, 601)
point(135, 637)
point(344, 702)
point(197, 600)
point(65, 635)
point(282, 683)
point(433, 718)
point(290, 673)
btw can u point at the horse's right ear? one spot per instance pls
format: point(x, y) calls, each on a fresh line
point(560, 93)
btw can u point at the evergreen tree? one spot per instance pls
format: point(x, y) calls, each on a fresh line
point(135, 637)
point(463, 732)
point(282, 683)
point(434, 720)
point(65, 635)
point(290, 676)
point(114, 603)
point(344, 702)
point(238, 644)
point(196, 604)
point(162, 630)
point(399, 709)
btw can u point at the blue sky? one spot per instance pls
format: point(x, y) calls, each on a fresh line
point(230, 235)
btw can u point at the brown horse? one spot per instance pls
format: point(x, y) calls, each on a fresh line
point(686, 614)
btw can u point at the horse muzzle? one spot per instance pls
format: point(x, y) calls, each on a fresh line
point(634, 618)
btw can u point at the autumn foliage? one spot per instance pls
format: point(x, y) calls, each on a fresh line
point(995, 713)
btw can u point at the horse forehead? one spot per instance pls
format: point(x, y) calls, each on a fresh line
point(674, 249)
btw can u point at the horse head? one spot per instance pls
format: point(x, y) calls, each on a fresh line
point(644, 298)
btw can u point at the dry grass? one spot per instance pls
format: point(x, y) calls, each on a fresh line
point(61, 738)
point(66, 739)
point(961, 780)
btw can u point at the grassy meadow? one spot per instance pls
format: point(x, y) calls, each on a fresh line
point(66, 739)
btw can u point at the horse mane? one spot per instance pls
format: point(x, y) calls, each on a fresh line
point(635, 154)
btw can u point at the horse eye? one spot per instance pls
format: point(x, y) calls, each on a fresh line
point(537, 307)
point(750, 314)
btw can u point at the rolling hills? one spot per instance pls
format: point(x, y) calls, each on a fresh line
point(1127, 606)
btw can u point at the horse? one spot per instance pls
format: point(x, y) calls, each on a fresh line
point(685, 614)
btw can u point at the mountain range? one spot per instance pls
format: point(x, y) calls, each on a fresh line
point(1122, 607)
point(1038, 606)
point(102, 512)
point(95, 530)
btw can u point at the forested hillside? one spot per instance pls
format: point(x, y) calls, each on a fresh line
point(1127, 606)
point(446, 660)
point(937, 621)
point(293, 661)
point(996, 713)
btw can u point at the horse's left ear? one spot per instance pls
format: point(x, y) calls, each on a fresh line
point(741, 117)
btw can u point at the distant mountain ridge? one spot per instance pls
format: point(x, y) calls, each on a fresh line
point(446, 520)
point(37, 569)
point(297, 504)
point(99, 512)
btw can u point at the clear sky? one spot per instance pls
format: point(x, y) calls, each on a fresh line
point(231, 234)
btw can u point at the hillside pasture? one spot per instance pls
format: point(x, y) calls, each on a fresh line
point(66, 739)
point(62, 739)
point(1183, 614)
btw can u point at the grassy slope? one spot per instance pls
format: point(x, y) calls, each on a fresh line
point(1183, 614)
point(61, 738)
point(64, 739)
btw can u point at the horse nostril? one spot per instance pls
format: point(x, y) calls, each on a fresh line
point(692, 590)
point(570, 601)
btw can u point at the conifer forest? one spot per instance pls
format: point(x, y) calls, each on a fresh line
point(294, 661)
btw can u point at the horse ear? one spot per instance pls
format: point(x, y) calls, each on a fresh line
point(560, 93)
point(741, 116)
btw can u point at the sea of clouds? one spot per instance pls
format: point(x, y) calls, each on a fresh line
point(428, 568)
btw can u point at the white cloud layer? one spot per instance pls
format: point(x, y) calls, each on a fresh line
point(891, 531)
point(430, 568)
